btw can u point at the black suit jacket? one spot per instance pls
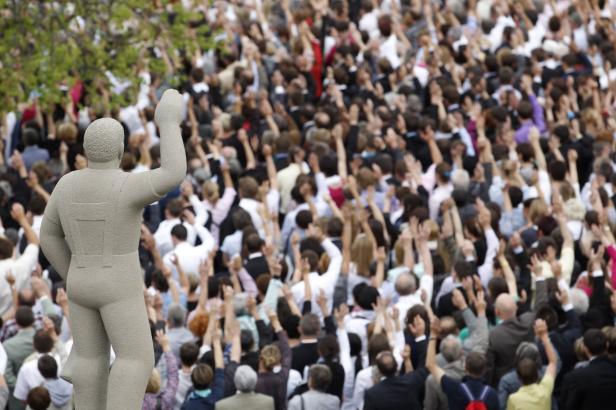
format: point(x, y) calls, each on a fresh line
point(398, 392)
point(304, 354)
point(256, 266)
point(592, 387)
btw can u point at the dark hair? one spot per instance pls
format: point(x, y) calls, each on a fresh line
point(6, 248)
point(558, 170)
point(367, 297)
point(320, 377)
point(24, 316)
point(312, 257)
point(180, 232)
point(595, 341)
point(303, 219)
point(475, 364)
point(527, 371)
point(201, 376)
point(253, 243)
point(386, 364)
point(463, 268)
point(189, 353)
point(159, 281)
point(516, 195)
point(38, 398)
point(525, 110)
point(48, 367)
point(175, 208)
point(328, 348)
point(550, 316)
point(378, 343)
point(241, 219)
point(42, 341)
point(310, 325)
point(247, 340)
point(334, 227)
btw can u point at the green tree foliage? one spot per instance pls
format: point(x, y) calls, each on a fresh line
point(46, 46)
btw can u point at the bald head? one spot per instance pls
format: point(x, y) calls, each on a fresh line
point(104, 140)
point(405, 284)
point(505, 306)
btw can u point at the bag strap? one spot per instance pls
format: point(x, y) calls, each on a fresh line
point(301, 397)
point(484, 393)
point(467, 391)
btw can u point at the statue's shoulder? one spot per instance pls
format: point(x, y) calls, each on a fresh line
point(66, 180)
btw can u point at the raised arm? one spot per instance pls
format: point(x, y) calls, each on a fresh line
point(431, 364)
point(541, 330)
point(169, 114)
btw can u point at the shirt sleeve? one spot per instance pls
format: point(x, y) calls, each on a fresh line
point(21, 387)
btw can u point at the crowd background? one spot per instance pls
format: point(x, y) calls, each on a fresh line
point(389, 205)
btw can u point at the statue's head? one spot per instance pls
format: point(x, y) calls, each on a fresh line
point(104, 140)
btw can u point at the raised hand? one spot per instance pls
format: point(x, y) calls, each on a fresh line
point(170, 108)
point(417, 326)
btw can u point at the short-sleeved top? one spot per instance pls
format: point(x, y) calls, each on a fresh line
point(536, 396)
point(458, 399)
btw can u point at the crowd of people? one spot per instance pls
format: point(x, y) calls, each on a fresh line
point(389, 204)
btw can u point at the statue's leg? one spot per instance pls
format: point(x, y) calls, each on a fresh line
point(89, 365)
point(128, 328)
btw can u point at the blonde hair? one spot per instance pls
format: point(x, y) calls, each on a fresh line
point(538, 209)
point(211, 191)
point(153, 383)
point(362, 254)
point(270, 356)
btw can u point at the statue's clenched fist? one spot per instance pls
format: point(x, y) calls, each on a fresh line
point(170, 108)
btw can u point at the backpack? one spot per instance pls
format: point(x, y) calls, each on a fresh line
point(473, 403)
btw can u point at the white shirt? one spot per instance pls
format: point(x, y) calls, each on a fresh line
point(404, 303)
point(362, 383)
point(232, 244)
point(21, 268)
point(29, 377)
point(439, 194)
point(163, 234)
point(189, 256)
point(325, 282)
point(252, 207)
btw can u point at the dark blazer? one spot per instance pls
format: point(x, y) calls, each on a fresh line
point(505, 338)
point(592, 387)
point(304, 354)
point(390, 393)
point(256, 266)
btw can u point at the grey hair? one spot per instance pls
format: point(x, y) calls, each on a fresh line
point(579, 300)
point(176, 316)
point(528, 350)
point(460, 179)
point(245, 379)
point(451, 348)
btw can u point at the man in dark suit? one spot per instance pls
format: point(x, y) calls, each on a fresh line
point(306, 353)
point(395, 392)
point(505, 338)
point(255, 264)
point(591, 387)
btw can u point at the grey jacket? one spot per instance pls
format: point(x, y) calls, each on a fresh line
point(314, 400)
point(253, 401)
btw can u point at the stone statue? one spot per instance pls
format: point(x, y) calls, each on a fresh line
point(90, 234)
